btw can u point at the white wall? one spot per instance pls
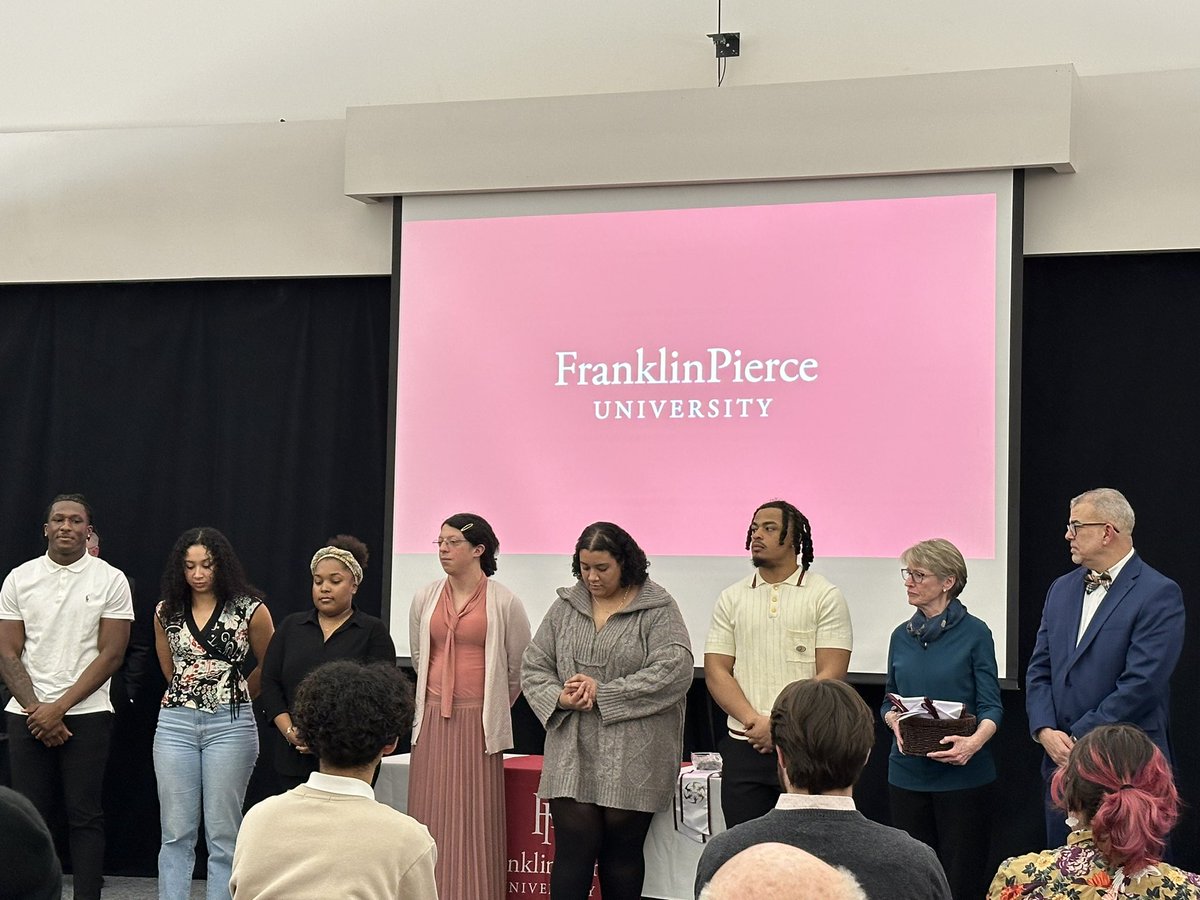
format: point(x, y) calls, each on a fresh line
point(1137, 183)
point(80, 64)
point(142, 140)
point(214, 201)
point(1019, 118)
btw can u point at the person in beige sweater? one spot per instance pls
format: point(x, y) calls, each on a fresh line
point(329, 837)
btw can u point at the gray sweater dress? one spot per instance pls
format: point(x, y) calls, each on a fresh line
point(625, 751)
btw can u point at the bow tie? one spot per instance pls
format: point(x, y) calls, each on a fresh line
point(1093, 580)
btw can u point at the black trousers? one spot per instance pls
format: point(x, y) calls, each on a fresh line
point(68, 779)
point(749, 781)
point(958, 826)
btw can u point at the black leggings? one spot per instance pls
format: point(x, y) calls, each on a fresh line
point(586, 834)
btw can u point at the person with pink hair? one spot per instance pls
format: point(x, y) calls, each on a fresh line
point(1121, 802)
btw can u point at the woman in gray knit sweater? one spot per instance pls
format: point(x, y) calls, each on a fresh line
point(607, 674)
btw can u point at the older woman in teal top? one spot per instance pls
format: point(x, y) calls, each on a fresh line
point(945, 653)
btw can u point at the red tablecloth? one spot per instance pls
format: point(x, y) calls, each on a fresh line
point(530, 831)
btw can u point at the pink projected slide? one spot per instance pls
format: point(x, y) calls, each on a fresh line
point(671, 369)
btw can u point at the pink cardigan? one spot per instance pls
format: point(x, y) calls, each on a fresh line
point(506, 640)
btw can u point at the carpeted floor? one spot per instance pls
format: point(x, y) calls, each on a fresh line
point(118, 888)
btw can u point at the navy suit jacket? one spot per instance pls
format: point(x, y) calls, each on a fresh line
point(1121, 670)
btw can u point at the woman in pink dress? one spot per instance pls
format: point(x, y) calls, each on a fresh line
point(467, 634)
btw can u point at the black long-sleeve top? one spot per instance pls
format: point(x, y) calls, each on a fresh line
point(297, 648)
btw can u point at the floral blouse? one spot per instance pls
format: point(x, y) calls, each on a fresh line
point(206, 660)
point(1079, 871)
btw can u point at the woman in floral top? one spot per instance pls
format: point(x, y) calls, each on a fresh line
point(206, 743)
point(1122, 803)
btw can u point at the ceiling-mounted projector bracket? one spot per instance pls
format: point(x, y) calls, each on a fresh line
point(728, 43)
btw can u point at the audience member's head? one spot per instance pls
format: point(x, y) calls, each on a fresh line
point(350, 714)
point(29, 867)
point(824, 732)
point(780, 872)
point(1119, 784)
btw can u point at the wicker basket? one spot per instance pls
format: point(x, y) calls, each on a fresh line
point(922, 735)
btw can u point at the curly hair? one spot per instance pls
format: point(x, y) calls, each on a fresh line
point(229, 580)
point(477, 530)
point(347, 712)
point(351, 545)
point(1122, 782)
point(605, 537)
point(795, 524)
point(70, 498)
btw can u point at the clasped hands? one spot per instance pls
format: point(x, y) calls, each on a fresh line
point(45, 722)
point(1057, 744)
point(757, 732)
point(578, 693)
point(293, 739)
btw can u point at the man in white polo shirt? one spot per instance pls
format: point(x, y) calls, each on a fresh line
point(64, 624)
point(782, 624)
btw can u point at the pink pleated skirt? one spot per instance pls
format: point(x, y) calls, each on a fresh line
point(457, 791)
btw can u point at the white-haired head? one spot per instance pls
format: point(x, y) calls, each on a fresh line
point(780, 872)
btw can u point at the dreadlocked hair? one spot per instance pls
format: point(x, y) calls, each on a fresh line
point(795, 523)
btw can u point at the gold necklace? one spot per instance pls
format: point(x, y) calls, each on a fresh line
point(625, 598)
point(328, 627)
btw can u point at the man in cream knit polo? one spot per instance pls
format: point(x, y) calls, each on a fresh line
point(329, 837)
point(783, 623)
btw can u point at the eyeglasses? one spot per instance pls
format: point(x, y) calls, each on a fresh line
point(915, 577)
point(449, 542)
point(1073, 527)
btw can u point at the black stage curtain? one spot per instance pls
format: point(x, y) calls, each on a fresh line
point(282, 441)
point(1109, 365)
point(257, 407)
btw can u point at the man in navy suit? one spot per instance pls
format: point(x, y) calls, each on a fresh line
point(1111, 633)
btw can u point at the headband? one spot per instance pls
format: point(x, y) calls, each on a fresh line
point(345, 557)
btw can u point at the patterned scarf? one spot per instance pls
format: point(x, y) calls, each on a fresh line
point(928, 630)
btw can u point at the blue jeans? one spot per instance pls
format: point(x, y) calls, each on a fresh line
point(201, 759)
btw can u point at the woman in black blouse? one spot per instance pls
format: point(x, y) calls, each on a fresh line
point(333, 629)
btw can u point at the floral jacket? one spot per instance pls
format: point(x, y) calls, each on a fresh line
point(1079, 871)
